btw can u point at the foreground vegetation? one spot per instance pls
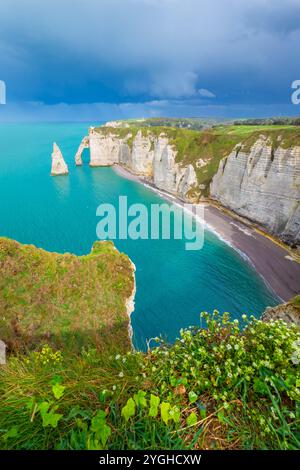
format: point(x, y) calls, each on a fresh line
point(218, 387)
point(72, 380)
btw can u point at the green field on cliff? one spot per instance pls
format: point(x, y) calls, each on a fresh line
point(205, 148)
point(221, 385)
point(64, 300)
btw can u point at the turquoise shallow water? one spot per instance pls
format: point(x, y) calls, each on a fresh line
point(59, 214)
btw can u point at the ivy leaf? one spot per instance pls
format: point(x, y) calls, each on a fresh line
point(192, 397)
point(164, 411)
point(191, 419)
point(93, 444)
point(154, 402)
point(100, 428)
point(140, 399)
point(104, 434)
point(175, 414)
point(50, 418)
point(129, 409)
point(76, 411)
point(98, 421)
point(58, 390)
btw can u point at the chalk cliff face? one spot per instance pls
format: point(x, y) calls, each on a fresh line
point(260, 181)
point(147, 155)
point(59, 166)
point(104, 149)
point(262, 184)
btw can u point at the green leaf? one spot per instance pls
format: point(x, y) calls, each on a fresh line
point(104, 434)
point(164, 411)
point(58, 390)
point(192, 397)
point(50, 418)
point(173, 381)
point(192, 419)
point(140, 399)
point(154, 403)
point(57, 379)
point(129, 409)
point(100, 428)
point(12, 432)
point(98, 421)
point(174, 414)
point(93, 444)
point(76, 411)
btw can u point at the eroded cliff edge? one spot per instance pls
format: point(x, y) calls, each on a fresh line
point(256, 174)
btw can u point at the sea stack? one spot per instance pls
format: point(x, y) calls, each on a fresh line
point(84, 144)
point(59, 166)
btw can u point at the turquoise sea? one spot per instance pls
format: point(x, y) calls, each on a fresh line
point(59, 214)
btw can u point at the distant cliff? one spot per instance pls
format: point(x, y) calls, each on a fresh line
point(252, 170)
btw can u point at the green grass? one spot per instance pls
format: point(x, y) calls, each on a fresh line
point(210, 145)
point(296, 301)
point(65, 300)
point(216, 388)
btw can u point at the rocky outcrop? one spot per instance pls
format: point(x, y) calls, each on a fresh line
point(263, 185)
point(59, 166)
point(84, 144)
point(288, 312)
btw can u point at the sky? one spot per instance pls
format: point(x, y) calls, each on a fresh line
point(112, 59)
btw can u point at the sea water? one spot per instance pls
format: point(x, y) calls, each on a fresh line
point(59, 214)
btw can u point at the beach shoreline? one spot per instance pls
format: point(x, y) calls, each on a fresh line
point(279, 271)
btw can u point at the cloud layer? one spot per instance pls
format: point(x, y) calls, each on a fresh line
point(215, 53)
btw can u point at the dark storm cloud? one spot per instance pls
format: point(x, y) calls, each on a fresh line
point(117, 51)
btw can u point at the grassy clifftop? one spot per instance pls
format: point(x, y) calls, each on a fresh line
point(62, 299)
point(205, 148)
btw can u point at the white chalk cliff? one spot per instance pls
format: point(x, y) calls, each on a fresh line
point(262, 184)
point(59, 166)
point(146, 155)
